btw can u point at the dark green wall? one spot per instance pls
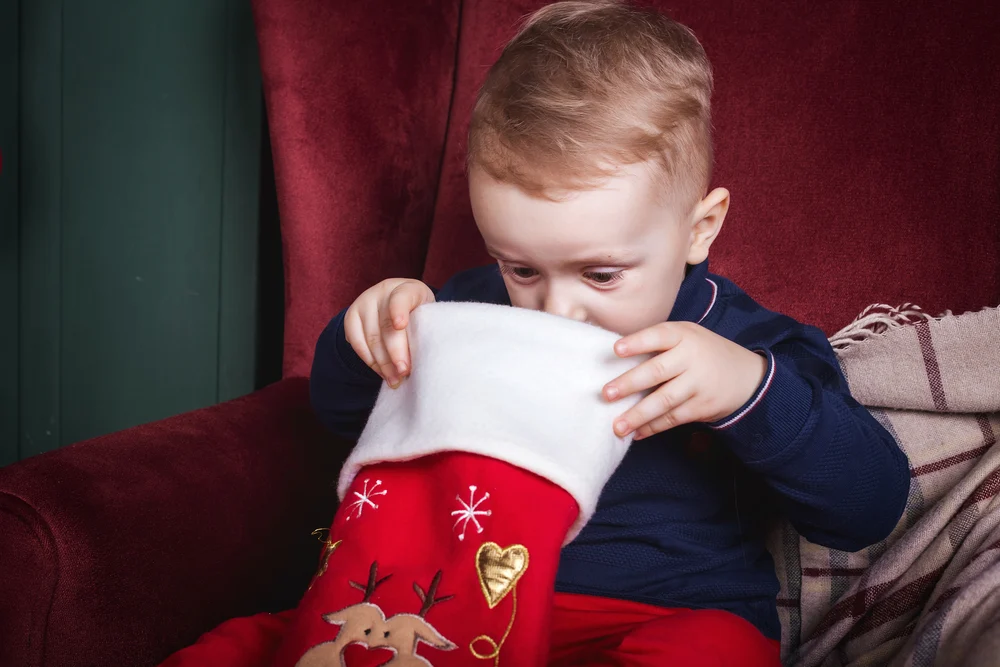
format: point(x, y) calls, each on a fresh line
point(129, 225)
point(8, 230)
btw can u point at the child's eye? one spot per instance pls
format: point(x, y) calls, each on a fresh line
point(603, 277)
point(519, 272)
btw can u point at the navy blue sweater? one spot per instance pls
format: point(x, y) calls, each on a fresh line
point(683, 520)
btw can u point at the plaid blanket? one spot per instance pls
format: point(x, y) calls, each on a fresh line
point(930, 593)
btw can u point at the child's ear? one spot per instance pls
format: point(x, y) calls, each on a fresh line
point(706, 223)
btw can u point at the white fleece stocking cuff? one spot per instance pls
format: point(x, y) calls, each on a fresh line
point(513, 384)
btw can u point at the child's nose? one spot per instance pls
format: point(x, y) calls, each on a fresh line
point(559, 304)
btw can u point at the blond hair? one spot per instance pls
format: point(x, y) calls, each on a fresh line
point(586, 87)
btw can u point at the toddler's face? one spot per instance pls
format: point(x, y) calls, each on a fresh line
point(613, 256)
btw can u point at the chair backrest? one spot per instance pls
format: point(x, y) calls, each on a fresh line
point(860, 141)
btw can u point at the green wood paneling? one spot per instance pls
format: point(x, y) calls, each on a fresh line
point(139, 188)
point(8, 231)
point(143, 89)
point(41, 189)
point(239, 277)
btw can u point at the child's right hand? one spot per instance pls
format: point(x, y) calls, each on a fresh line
point(375, 325)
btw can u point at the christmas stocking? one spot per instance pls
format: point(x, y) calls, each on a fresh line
point(466, 482)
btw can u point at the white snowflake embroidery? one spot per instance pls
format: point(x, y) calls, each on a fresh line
point(469, 512)
point(365, 498)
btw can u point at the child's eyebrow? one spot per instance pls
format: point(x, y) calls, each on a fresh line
point(494, 254)
point(606, 259)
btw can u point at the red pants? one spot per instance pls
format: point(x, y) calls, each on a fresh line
point(600, 631)
point(586, 631)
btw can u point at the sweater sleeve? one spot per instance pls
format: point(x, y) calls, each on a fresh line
point(343, 388)
point(839, 476)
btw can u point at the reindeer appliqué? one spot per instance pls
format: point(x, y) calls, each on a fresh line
point(365, 623)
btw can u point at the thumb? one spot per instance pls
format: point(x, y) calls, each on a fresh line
point(404, 299)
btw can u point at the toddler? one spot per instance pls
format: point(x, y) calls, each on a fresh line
point(589, 167)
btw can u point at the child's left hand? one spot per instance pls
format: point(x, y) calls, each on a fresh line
point(700, 377)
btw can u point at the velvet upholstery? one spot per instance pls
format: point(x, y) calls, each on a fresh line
point(357, 95)
point(119, 550)
point(860, 140)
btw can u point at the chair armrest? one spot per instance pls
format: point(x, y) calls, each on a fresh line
point(122, 549)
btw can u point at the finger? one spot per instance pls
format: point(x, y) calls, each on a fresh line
point(355, 334)
point(394, 340)
point(664, 402)
point(650, 373)
point(680, 415)
point(373, 337)
point(657, 338)
point(397, 346)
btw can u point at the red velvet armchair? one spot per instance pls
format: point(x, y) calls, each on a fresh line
point(861, 142)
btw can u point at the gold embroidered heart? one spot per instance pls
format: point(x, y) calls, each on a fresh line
point(499, 569)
